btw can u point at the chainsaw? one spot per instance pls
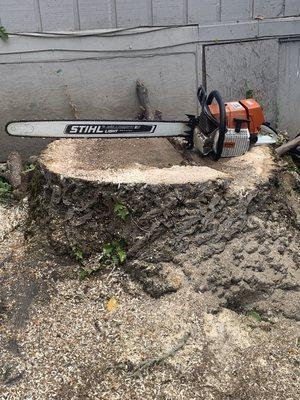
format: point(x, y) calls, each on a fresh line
point(221, 130)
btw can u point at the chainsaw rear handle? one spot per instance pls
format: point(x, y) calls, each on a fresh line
point(205, 101)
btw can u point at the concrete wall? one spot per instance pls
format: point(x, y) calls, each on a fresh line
point(64, 15)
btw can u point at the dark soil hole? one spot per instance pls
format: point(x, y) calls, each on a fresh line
point(244, 300)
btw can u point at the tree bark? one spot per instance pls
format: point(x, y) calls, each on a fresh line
point(148, 113)
point(13, 174)
point(285, 148)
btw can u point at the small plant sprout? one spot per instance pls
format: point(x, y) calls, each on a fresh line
point(121, 211)
point(255, 315)
point(3, 34)
point(79, 255)
point(85, 273)
point(113, 254)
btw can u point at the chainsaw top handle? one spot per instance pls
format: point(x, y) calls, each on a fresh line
point(205, 101)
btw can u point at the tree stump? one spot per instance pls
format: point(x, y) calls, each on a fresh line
point(93, 192)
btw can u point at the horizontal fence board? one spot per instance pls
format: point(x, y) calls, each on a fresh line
point(229, 31)
point(291, 26)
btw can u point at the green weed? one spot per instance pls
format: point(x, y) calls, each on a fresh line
point(255, 315)
point(3, 33)
point(258, 317)
point(121, 211)
point(113, 254)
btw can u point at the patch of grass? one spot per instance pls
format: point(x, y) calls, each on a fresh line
point(121, 211)
point(5, 188)
point(3, 34)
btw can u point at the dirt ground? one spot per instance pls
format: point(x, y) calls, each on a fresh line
point(104, 338)
point(228, 329)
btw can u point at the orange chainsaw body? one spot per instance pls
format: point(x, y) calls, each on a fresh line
point(247, 110)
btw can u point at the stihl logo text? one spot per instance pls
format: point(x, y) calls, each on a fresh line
point(106, 129)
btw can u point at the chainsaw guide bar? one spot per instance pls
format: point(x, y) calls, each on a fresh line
point(97, 129)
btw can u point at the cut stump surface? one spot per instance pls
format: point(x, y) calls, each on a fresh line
point(151, 161)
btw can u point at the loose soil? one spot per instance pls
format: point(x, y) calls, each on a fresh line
point(211, 317)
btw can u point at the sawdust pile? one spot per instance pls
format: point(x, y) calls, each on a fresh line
point(61, 340)
point(206, 309)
